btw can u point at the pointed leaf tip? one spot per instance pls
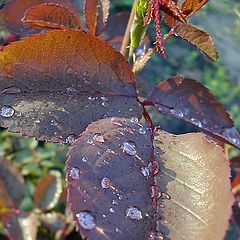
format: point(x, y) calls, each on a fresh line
point(190, 101)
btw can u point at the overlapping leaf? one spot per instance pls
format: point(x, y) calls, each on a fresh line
point(108, 193)
point(188, 100)
point(12, 184)
point(13, 12)
point(21, 226)
point(50, 15)
point(53, 85)
point(48, 191)
point(189, 7)
point(198, 38)
point(96, 14)
point(195, 174)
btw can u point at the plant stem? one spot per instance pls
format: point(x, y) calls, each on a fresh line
point(126, 40)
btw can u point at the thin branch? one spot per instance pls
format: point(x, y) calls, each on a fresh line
point(126, 39)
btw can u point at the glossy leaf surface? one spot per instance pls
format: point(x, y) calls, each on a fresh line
point(188, 100)
point(198, 38)
point(96, 14)
point(194, 173)
point(50, 15)
point(13, 12)
point(48, 191)
point(53, 85)
point(108, 193)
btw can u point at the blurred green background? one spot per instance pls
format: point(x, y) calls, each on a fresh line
point(222, 20)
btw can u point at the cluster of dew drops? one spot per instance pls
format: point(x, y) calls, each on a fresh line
point(86, 219)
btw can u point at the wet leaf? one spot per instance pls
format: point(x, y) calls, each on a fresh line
point(96, 14)
point(13, 12)
point(108, 193)
point(188, 100)
point(189, 7)
point(194, 173)
point(48, 191)
point(198, 38)
point(53, 85)
point(50, 15)
point(12, 181)
point(21, 226)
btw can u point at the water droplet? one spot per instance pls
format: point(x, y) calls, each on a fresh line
point(196, 122)
point(134, 213)
point(165, 196)
point(134, 120)
point(11, 90)
point(111, 210)
point(142, 130)
point(91, 98)
point(104, 216)
point(98, 138)
point(105, 104)
point(155, 192)
point(177, 112)
point(37, 121)
point(129, 148)
point(84, 159)
point(151, 170)
point(116, 121)
point(155, 235)
point(54, 122)
point(106, 182)
point(105, 99)
point(90, 141)
point(70, 139)
point(114, 202)
point(85, 73)
point(162, 206)
point(117, 229)
point(86, 220)
point(232, 134)
point(74, 173)
point(7, 111)
point(70, 70)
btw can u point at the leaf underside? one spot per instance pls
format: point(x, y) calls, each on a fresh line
point(195, 173)
point(57, 83)
point(13, 12)
point(188, 100)
point(91, 160)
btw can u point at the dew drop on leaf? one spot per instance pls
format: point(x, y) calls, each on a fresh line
point(86, 220)
point(70, 139)
point(134, 213)
point(98, 138)
point(177, 112)
point(106, 182)
point(84, 159)
point(116, 121)
point(142, 130)
point(134, 119)
point(233, 134)
point(155, 236)
point(165, 196)
point(111, 210)
point(129, 148)
point(151, 170)
point(7, 111)
point(11, 90)
point(74, 173)
point(155, 192)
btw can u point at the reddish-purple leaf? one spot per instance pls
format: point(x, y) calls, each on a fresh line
point(12, 181)
point(108, 192)
point(197, 38)
point(52, 16)
point(53, 85)
point(48, 191)
point(13, 12)
point(188, 100)
point(96, 14)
